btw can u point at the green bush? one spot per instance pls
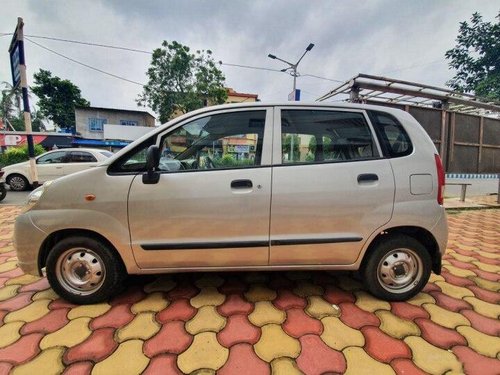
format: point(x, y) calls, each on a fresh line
point(228, 161)
point(15, 155)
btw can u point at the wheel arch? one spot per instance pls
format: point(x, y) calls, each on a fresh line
point(421, 235)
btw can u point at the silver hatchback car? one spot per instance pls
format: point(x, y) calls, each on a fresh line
point(248, 187)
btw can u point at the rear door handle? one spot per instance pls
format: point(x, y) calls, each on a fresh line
point(241, 184)
point(367, 177)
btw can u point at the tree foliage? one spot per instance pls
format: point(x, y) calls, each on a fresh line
point(179, 80)
point(476, 58)
point(57, 98)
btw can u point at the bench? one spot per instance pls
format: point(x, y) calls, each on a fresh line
point(464, 189)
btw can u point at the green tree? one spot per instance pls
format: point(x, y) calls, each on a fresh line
point(9, 104)
point(287, 144)
point(476, 58)
point(181, 80)
point(57, 98)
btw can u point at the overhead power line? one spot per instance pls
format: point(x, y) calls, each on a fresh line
point(83, 64)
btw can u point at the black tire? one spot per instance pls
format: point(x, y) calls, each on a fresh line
point(409, 264)
point(3, 191)
point(17, 182)
point(73, 259)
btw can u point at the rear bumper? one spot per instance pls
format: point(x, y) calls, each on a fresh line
point(28, 239)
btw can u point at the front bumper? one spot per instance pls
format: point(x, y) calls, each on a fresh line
point(28, 239)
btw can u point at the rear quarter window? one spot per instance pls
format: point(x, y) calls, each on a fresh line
point(392, 136)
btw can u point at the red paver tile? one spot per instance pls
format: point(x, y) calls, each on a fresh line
point(298, 323)
point(243, 361)
point(116, 317)
point(356, 318)
point(172, 338)
point(490, 276)
point(183, 289)
point(456, 280)
point(132, 295)
point(165, 364)
point(17, 302)
point(383, 347)
point(12, 273)
point(404, 366)
point(51, 322)
point(408, 311)
point(485, 295)
point(2, 314)
point(61, 304)
point(180, 309)
point(80, 368)
point(37, 286)
point(3, 280)
point(238, 329)
point(438, 335)
point(22, 350)
point(5, 368)
point(450, 303)
point(233, 285)
point(336, 295)
point(317, 358)
point(482, 323)
point(475, 363)
point(431, 287)
point(95, 348)
point(235, 304)
point(287, 300)
point(463, 265)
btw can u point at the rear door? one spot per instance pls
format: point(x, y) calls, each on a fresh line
point(79, 161)
point(331, 189)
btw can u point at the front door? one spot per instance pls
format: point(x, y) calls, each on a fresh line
point(50, 166)
point(332, 189)
point(211, 206)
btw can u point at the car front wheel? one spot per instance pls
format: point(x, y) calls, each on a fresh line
point(84, 271)
point(397, 268)
point(17, 182)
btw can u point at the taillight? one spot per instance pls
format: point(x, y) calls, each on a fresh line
point(440, 175)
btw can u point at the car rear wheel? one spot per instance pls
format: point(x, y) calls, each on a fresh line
point(17, 182)
point(397, 268)
point(84, 271)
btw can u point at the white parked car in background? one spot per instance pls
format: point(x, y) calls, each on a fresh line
point(53, 164)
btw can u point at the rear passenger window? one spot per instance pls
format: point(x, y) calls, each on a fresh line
point(310, 136)
point(82, 157)
point(392, 136)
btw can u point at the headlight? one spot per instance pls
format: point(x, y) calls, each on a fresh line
point(35, 196)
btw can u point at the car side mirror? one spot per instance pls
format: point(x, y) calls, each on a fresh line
point(152, 161)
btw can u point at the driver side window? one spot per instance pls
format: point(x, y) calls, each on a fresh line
point(229, 140)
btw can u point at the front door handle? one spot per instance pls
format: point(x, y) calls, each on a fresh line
point(241, 184)
point(367, 177)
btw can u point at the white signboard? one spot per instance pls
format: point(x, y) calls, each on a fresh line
point(125, 133)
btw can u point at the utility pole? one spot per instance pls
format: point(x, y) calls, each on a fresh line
point(18, 66)
point(294, 95)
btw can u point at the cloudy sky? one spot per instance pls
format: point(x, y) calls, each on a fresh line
point(399, 39)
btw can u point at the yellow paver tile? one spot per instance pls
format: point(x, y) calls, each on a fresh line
point(259, 292)
point(493, 286)
point(204, 352)
point(367, 302)
point(206, 320)
point(45, 294)
point(444, 317)
point(90, 311)
point(453, 290)
point(73, 333)
point(486, 267)
point(204, 371)
point(8, 292)
point(480, 342)
point(128, 358)
point(484, 308)
point(462, 258)
point(460, 272)
point(265, 313)
point(153, 303)
point(8, 266)
point(421, 298)
point(9, 333)
point(305, 288)
point(47, 362)
point(275, 343)
point(395, 326)
point(432, 359)
point(207, 280)
point(433, 278)
point(208, 296)
point(338, 336)
point(285, 366)
point(23, 280)
point(30, 313)
point(143, 326)
point(359, 363)
point(163, 283)
point(319, 308)
point(487, 254)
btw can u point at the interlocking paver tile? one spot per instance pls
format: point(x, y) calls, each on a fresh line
point(285, 366)
point(243, 361)
point(408, 311)
point(128, 358)
point(316, 358)
point(383, 347)
point(206, 319)
point(338, 336)
point(318, 308)
point(73, 333)
point(480, 342)
point(287, 300)
point(95, 348)
point(475, 363)
point(154, 302)
point(265, 313)
point(22, 350)
point(29, 313)
point(485, 308)
point(369, 303)
point(431, 358)
point(395, 326)
point(298, 323)
point(116, 317)
point(180, 309)
point(53, 321)
point(204, 352)
point(235, 304)
point(450, 303)
point(172, 338)
point(259, 293)
point(47, 362)
point(440, 336)
point(143, 326)
point(9, 333)
point(354, 317)
point(360, 363)
point(444, 317)
point(208, 296)
point(275, 343)
point(238, 329)
point(90, 311)
point(165, 364)
point(482, 323)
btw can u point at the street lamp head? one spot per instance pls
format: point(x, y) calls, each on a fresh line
point(310, 47)
point(271, 56)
